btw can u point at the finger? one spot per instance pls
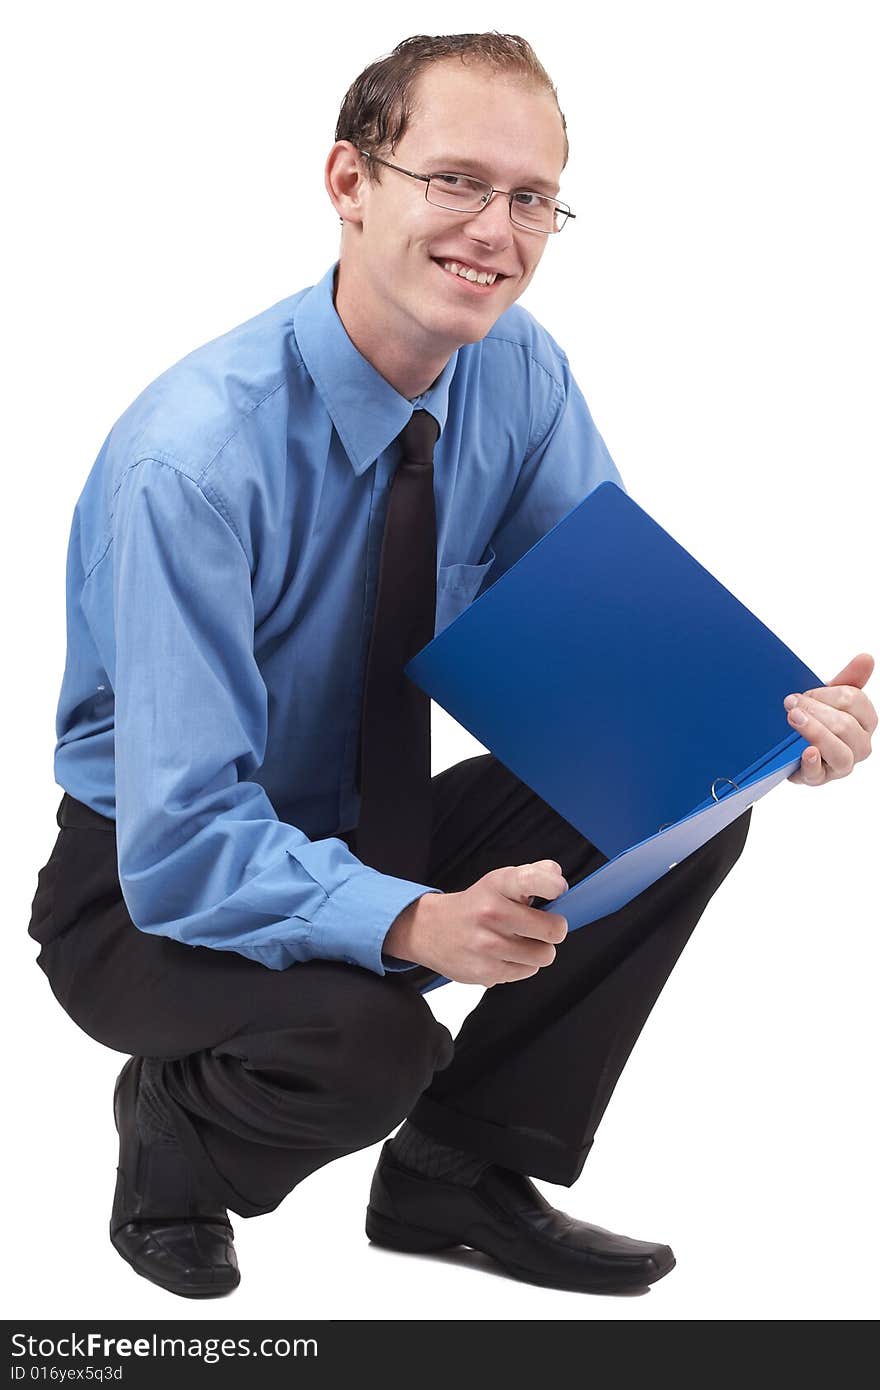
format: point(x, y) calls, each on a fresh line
point(846, 698)
point(835, 716)
point(540, 925)
point(837, 754)
point(543, 879)
point(509, 972)
point(811, 770)
point(545, 926)
point(523, 951)
point(810, 717)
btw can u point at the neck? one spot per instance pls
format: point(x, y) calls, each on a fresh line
point(376, 341)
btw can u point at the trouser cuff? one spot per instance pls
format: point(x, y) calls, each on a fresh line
point(528, 1151)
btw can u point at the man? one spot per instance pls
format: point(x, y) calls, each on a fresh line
point(254, 877)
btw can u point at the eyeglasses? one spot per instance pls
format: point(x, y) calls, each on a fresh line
point(460, 193)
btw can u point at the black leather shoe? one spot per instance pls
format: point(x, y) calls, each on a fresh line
point(166, 1230)
point(504, 1215)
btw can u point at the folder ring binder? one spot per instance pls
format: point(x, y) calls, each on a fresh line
point(715, 796)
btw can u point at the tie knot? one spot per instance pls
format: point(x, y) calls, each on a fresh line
point(418, 437)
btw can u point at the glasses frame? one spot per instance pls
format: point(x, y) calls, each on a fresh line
point(475, 212)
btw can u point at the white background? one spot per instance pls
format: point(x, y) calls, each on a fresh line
point(718, 298)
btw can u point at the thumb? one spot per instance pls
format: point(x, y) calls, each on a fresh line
point(857, 672)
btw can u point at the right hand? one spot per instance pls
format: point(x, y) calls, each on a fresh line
point(488, 934)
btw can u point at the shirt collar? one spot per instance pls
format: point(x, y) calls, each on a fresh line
point(366, 410)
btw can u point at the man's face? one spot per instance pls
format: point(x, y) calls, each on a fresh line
point(465, 121)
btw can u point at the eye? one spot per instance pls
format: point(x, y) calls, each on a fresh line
point(536, 199)
point(452, 179)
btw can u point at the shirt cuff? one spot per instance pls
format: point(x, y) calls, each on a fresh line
point(392, 964)
point(351, 925)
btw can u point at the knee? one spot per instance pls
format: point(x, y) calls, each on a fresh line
point(352, 1070)
point(384, 1058)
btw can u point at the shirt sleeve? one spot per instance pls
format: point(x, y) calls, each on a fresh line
point(202, 855)
point(566, 459)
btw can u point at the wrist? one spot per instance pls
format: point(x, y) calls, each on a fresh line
point(402, 937)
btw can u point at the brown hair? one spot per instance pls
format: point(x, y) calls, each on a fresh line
point(378, 105)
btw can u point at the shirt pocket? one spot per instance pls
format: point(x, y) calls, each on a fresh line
point(457, 585)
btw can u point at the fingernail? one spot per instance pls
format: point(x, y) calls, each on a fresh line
point(797, 716)
point(790, 701)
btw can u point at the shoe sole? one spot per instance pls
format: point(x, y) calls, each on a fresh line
point(392, 1235)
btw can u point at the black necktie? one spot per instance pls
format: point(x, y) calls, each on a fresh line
point(394, 827)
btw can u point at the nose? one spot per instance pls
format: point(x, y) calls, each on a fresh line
point(492, 224)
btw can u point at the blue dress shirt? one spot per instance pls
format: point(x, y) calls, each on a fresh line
point(221, 577)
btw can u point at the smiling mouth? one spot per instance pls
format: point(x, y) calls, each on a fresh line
point(471, 285)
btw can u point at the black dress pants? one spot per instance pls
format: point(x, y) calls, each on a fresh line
point(270, 1074)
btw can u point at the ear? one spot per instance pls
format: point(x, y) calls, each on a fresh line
point(344, 181)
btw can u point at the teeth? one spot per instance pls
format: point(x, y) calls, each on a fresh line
point(476, 277)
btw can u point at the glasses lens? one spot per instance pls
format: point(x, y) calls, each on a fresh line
point(537, 213)
point(462, 194)
point(457, 191)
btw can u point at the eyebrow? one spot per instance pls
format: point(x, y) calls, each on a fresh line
point(452, 163)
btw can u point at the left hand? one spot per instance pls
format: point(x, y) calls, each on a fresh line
point(840, 720)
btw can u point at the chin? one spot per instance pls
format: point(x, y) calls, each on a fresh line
point(457, 330)
point(475, 319)
point(478, 332)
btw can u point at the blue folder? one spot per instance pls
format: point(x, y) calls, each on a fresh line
point(617, 678)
